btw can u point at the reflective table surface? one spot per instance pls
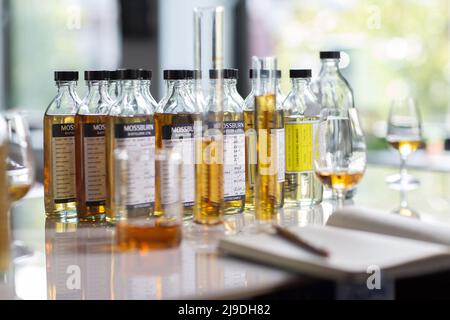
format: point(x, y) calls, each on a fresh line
point(70, 260)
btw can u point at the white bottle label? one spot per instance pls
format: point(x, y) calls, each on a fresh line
point(181, 139)
point(279, 138)
point(63, 162)
point(94, 163)
point(234, 160)
point(138, 139)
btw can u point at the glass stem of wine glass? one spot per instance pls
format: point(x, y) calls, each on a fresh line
point(340, 194)
point(403, 170)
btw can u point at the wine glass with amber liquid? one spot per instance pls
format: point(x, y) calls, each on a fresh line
point(20, 162)
point(340, 155)
point(404, 134)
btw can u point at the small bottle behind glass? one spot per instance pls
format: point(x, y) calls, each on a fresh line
point(174, 130)
point(301, 120)
point(234, 142)
point(91, 148)
point(164, 229)
point(129, 126)
point(59, 148)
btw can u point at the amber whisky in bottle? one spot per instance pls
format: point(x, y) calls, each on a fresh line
point(59, 148)
point(91, 148)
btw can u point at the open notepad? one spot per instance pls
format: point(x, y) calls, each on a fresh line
point(357, 239)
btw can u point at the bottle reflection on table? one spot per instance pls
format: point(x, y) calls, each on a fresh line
point(78, 260)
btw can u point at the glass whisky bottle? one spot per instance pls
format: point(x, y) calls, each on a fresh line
point(334, 93)
point(91, 148)
point(130, 128)
point(209, 159)
point(59, 148)
point(301, 120)
point(175, 117)
point(234, 142)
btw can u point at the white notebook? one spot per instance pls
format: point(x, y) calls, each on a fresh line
point(357, 240)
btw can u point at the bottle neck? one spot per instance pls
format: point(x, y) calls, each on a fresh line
point(130, 87)
point(299, 84)
point(68, 88)
point(96, 86)
point(329, 66)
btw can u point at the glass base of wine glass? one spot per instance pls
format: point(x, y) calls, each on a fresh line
point(406, 212)
point(406, 183)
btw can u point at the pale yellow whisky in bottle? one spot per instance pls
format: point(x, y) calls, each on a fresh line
point(234, 162)
point(209, 195)
point(269, 185)
point(301, 120)
point(250, 158)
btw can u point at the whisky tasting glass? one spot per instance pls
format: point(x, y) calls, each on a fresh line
point(340, 154)
point(404, 133)
point(20, 161)
point(163, 228)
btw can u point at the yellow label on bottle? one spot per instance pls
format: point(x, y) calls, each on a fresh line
point(299, 146)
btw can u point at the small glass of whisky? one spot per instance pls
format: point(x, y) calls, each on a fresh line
point(161, 229)
point(340, 154)
point(405, 135)
point(20, 161)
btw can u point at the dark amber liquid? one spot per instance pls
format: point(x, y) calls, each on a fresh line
point(85, 211)
point(146, 235)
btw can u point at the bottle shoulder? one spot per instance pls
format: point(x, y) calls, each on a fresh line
point(63, 104)
point(130, 105)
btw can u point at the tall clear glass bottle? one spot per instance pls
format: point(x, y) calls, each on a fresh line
point(333, 90)
point(59, 148)
point(301, 120)
point(269, 124)
point(175, 117)
point(130, 127)
point(91, 148)
point(234, 142)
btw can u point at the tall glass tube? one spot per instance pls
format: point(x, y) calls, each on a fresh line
point(270, 130)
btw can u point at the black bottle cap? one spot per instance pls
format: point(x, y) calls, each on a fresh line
point(128, 74)
point(114, 75)
point(175, 74)
point(300, 73)
point(145, 74)
point(96, 75)
point(330, 54)
point(264, 73)
point(66, 75)
point(226, 73)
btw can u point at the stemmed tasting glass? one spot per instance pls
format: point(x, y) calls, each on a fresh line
point(404, 133)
